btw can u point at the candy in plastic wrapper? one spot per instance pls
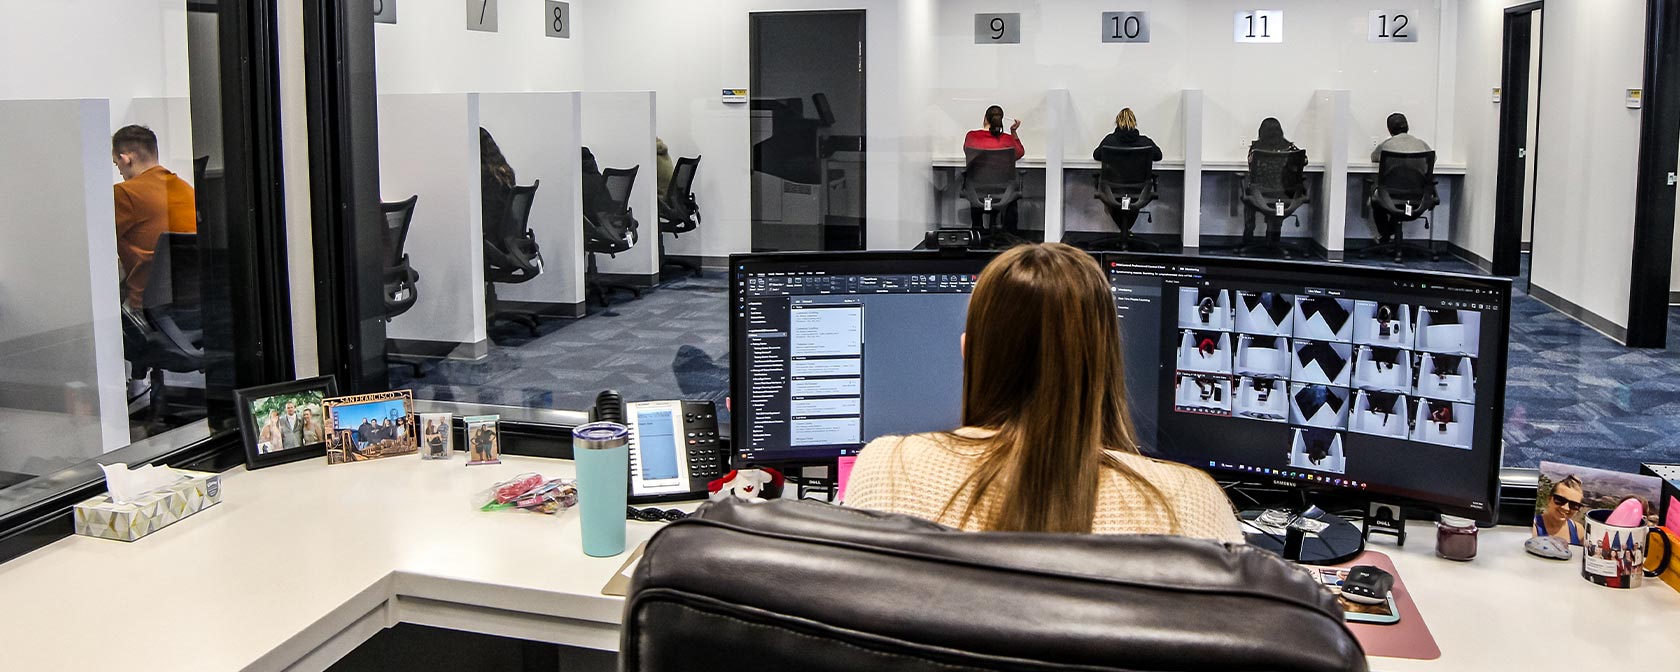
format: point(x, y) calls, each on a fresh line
point(531, 492)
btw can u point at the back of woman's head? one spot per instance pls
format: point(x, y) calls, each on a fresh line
point(1126, 121)
point(1271, 130)
point(490, 160)
point(1042, 367)
point(994, 120)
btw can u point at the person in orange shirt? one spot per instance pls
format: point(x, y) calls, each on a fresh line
point(150, 201)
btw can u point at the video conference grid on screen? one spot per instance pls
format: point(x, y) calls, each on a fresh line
point(1371, 386)
point(837, 354)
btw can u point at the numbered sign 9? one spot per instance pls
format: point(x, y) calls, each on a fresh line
point(1392, 25)
point(997, 28)
point(557, 19)
point(1125, 26)
point(1259, 25)
point(481, 15)
point(384, 11)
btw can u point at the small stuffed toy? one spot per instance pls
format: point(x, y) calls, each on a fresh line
point(747, 484)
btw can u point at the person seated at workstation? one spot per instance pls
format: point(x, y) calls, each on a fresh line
point(664, 168)
point(1272, 188)
point(1048, 446)
point(980, 143)
point(1126, 182)
point(150, 201)
point(496, 181)
point(1400, 139)
point(1127, 136)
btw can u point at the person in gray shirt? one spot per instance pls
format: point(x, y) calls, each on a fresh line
point(1399, 139)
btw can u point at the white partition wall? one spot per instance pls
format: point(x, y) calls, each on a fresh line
point(61, 350)
point(618, 127)
point(1192, 126)
point(540, 134)
point(428, 146)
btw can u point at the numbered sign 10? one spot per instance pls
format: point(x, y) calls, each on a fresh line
point(1259, 25)
point(1125, 26)
point(557, 19)
point(997, 28)
point(481, 15)
point(1392, 25)
point(384, 11)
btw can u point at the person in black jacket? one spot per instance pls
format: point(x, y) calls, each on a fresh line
point(1126, 136)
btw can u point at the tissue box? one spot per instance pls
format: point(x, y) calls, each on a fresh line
point(153, 511)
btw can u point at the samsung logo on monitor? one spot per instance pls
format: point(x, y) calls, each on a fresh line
point(1287, 484)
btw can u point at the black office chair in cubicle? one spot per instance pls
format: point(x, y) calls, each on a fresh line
point(167, 334)
point(992, 185)
point(827, 588)
point(610, 230)
point(1404, 191)
point(1125, 185)
point(1274, 187)
point(401, 280)
point(511, 255)
point(679, 213)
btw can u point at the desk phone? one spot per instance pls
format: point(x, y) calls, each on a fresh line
point(674, 446)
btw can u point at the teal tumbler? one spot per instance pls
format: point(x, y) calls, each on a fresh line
point(602, 453)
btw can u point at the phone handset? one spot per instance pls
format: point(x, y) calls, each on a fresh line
point(675, 450)
point(609, 407)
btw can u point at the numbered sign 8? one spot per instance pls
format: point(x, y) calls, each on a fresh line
point(1259, 25)
point(557, 19)
point(1125, 26)
point(481, 15)
point(384, 11)
point(1391, 25)
point(997, 28)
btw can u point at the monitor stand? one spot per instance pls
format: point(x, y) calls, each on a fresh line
point(1338, 541)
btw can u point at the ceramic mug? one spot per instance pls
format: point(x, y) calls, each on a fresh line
point(1614, 556)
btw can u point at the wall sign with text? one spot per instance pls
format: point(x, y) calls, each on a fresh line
point(384, 11)
point(1125, 26)
point(1259, 25)
point(557, 19)
point(997, 28)
point(1391, 25)
point(481, 15)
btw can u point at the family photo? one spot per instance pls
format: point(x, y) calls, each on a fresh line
point(370, 426)
point(285, 421)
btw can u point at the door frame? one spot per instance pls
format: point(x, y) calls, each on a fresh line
point(1659, 159)
point(1513, 132)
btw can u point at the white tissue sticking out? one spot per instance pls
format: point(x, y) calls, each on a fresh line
point(126, 484)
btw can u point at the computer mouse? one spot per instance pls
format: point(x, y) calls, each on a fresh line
point(1548, 547)
point(1367, 585)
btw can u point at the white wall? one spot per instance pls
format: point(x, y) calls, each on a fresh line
point(1588, 153)
point(1481, 31)
point(429, 50)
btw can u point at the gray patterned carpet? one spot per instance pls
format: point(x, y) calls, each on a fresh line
point(1572, 394)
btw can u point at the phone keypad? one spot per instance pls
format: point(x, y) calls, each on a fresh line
point(705, 461)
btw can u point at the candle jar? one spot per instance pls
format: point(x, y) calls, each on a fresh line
point(1455, 538)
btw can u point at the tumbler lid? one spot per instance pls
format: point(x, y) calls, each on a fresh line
point(600, 435)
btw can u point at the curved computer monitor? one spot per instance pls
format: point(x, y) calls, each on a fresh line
point(831, 350)
point(1389, 383)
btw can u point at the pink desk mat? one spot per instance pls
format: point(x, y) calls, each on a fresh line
point(1408, 638)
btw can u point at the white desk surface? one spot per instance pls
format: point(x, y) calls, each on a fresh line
point(301, 563)
point(1175, 165)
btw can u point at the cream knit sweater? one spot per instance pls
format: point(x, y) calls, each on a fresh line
point(918, 474)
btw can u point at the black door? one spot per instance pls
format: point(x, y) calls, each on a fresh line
point(807, 98)
point(1513, 138)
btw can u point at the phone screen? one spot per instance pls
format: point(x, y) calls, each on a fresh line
point(657, 439)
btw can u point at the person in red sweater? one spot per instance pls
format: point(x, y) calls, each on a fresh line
point(992, 136)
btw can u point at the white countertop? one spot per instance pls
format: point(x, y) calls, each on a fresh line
point(303, 562)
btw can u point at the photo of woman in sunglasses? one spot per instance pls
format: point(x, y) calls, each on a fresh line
point(1558, 518)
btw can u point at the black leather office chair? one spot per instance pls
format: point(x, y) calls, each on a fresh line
point(401, 280)
point(1404, 191)
point(511, 255)
point(679, 213)
point(802, 585)
point(1125, 185)
point(992, 185)
point(167, 333)
point(1275, 186)
point(611, 231)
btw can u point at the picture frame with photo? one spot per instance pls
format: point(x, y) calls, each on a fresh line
point(370, 426)
point(284, 422)
point(437, 437)
point(484, 441)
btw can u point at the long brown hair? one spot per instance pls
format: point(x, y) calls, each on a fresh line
point(1043, 370)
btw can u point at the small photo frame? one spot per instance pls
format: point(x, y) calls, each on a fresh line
point(370, 426)
point(284, 422)
point(437, 441)
point(484, 439)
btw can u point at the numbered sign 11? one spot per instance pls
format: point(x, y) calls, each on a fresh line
point(1392, 25)
point(1125, 26)
point(557, 19)
point(481, 15)
point(997, 28)
point(1259, 25)
point(384, 11)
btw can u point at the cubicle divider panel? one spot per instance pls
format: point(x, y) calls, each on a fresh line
point(1059, 105)
point(60, 324)
point(428, 146)
point(619, 128)
point(1192, 126)
point(541, 135)
point(1330, 233)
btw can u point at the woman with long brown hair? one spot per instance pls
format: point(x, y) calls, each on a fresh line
point(1047, 443)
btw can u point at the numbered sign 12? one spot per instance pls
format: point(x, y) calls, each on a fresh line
point(1259, 25)
point(481, 15)
point(384, 11)
point(1125, 26)
point(997, 28)
point(557, 19)
point(1392, 25)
